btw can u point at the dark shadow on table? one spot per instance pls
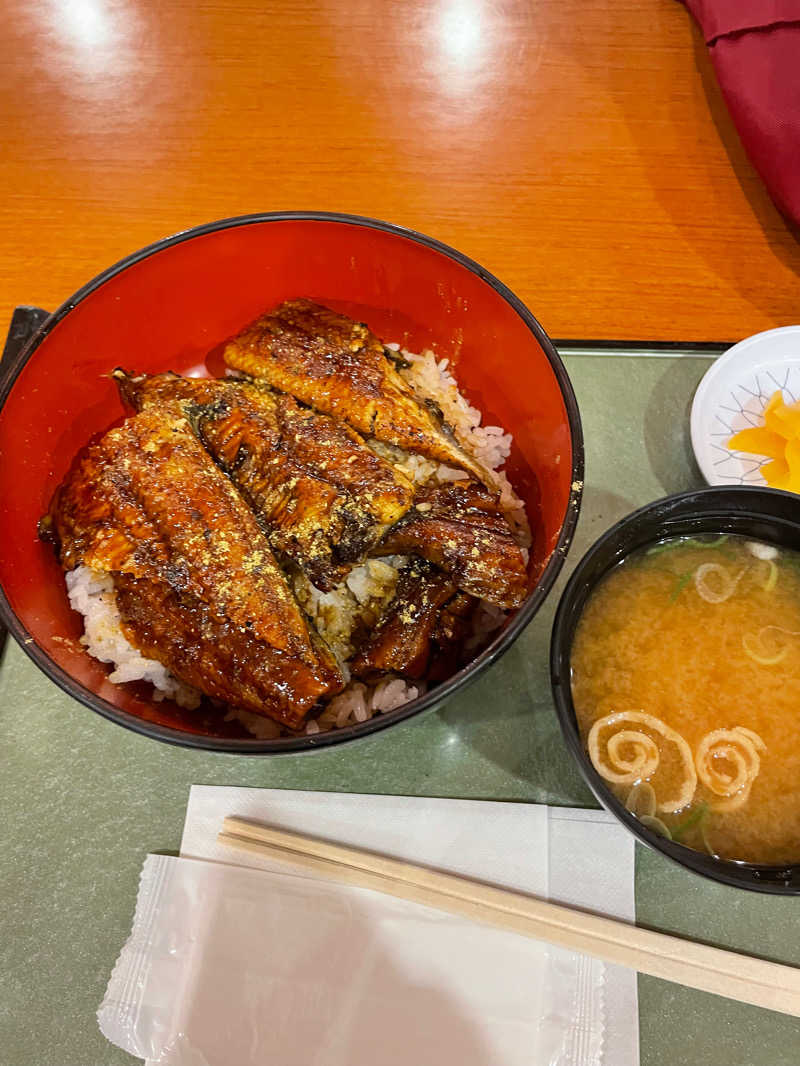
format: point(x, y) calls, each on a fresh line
point(759, 199)
point(731, 262)
point(667, 438)
point(508, 716)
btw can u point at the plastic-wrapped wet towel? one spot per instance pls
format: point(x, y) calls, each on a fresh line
point(240, 967)
point(236, 966)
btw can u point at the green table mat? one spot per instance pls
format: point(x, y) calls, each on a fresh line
point(83, 801)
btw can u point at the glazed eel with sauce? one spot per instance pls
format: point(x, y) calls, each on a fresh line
point(203, 498)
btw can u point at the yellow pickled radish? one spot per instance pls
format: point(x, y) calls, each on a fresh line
point(787, 416)
point(793, 462)
point(758, 441)
point(778, 439)
point(776, 474)
point(772, 416)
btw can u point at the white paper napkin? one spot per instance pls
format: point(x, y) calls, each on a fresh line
point(230, 965)
point(582, 858)
point(592, 866)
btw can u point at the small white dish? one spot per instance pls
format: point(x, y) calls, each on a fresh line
point(733, 395)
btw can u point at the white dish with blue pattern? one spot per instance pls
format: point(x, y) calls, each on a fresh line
point(732, 396)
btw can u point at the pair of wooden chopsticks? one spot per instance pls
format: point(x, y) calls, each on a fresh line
point(725, 973)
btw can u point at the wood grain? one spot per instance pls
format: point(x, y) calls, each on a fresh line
point(579, 149)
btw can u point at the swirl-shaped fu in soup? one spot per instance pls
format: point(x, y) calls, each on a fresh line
point(700, 638)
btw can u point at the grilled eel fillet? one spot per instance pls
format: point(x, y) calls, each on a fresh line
point(457, 526)
point(338, 366)
point(197, 586)
point(422, 630)
point(324, 498)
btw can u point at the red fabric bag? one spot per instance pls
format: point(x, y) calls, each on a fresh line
point(755, 48)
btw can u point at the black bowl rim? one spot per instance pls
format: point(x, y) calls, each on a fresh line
point(783, 879)
point(255, 746)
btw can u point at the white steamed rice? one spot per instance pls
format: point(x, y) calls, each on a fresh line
point(91, 592)
point(430, 378)
point(357, 602)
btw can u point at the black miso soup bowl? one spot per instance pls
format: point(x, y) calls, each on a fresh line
point(759, 513)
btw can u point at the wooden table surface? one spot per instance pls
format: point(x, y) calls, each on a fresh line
point(579, 149)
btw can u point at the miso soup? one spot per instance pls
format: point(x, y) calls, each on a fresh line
point(686, 685)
